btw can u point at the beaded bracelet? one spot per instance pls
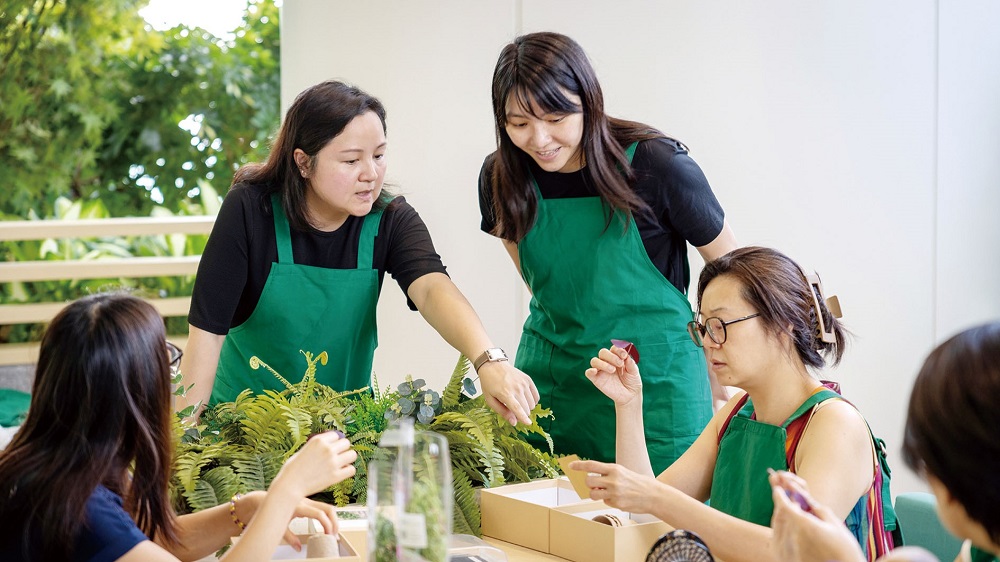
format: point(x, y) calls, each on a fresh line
point(232, 512)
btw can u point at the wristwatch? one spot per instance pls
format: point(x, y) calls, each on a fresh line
point(491, 354)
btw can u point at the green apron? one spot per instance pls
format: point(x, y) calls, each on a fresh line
point(590, 284)
point(977, 555)
point(312, 309)
point(747, 449)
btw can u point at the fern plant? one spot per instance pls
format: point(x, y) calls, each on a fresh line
point(241, 445)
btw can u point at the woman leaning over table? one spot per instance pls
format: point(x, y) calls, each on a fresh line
point(950, 439)
point(597, 214)
point(763, 326)
point(295, 263)
point(86, 476)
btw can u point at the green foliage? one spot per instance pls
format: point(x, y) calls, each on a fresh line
point(91, 106)
point(97, 248)
point(253, 435)
point(92, 99)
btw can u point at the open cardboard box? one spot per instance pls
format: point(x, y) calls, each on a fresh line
point(519, 513)
point(576, 536)
point(285, 552)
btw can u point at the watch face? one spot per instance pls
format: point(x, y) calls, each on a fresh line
point(495, 354)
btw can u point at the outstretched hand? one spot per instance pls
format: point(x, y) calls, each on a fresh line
point(326, 459)
point(805, 530)
point(507, 390)
point(615, 374)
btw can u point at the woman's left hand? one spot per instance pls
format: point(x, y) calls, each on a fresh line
point(615, 374)
point(507, 390)
point(618, 486)
point(325, 513)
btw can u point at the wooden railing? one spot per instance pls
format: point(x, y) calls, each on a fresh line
point(27, 353)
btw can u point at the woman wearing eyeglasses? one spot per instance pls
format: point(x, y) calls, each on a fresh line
point(764, 327)
point(85, 478)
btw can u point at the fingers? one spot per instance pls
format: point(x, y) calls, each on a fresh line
point(592, 466)
point(500, 409)
point(324, 513)
point(608, 361)
point(535, 397)
point(510, 392)
point(293, 539)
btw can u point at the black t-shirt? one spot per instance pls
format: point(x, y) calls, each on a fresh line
point(242, 247)
point(684, 209)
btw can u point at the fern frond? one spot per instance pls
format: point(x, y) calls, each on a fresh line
point(252, 471)
point(224, 482)
point(203, 496)
point(264, 425)
point(467, 517)
point(187, 467)
point(539, 412)
point(524, 462)
point(452, 393)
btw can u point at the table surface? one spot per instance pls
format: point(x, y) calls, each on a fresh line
point(517, 553)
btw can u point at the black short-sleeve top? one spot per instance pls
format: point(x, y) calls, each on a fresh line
point(684, 208)
point(239, 253)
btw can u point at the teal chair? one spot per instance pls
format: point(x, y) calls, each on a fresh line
point(917, 513)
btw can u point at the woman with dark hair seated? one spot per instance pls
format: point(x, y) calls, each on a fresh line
point(764, 325)
point(86, 476)
point(951, 439)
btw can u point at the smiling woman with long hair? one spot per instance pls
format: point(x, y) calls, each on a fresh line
point(597, 214)
point(86, 477)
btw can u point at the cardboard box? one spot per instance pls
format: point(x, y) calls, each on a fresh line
point(576, 536)
point(285, 552)
point(519, 513)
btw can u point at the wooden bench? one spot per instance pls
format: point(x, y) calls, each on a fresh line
point(136, 267)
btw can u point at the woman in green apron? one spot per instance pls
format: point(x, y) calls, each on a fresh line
point(597, 214)
point(763, 326)
point(296, 259)
point(950, 439)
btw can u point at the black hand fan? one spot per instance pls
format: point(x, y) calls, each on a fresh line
point(679, 546)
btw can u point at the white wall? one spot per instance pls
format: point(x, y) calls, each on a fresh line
point(857, 137)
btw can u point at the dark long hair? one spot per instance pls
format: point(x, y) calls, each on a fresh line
point(539, 67)
point(776, 287)
point(952, 421)
point(317, 115)
point(100, 405)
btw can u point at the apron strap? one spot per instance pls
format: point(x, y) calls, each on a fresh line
point(732, 414)
point(630, 151)
point(282, 233)
point(821, 396)
point(366, 246)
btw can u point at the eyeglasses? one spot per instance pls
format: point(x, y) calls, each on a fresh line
point(175, 355)
point(715, 327)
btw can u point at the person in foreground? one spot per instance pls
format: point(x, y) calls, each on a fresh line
point(763, 326)
point(86, 477)
point(950, 438)
point(569, 185)
point(296, 259)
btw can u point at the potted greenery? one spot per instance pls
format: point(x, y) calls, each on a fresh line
point(239, 446)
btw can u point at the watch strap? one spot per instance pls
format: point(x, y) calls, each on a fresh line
point(491, 354)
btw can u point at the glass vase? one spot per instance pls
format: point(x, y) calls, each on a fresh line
point(409, 496)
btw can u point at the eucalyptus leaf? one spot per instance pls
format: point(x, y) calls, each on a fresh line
point(469, 386)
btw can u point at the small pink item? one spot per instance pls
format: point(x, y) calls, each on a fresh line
point(629, 347)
